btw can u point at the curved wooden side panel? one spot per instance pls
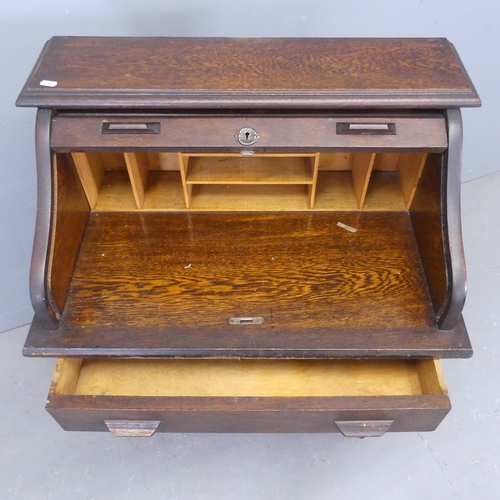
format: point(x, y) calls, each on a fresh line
point(45, 309)
point(435, 214)
point(62, 214)
point(451, 309)
point(427, 218)
point(69, 221)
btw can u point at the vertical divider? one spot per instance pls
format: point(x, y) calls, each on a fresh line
point(90, 171)
point(68, 370)
point(138, 174)
point(314, 162)
point(362, 166)
point(409, 170)
point(187, 188)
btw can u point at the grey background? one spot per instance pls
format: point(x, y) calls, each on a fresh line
point(25, 25)
point(461, 460)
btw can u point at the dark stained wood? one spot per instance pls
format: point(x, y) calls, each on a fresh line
point(435, 214)
point(218, 133)
point(70, 220)
point(41, 299)
point(88, 413)
point(167, 284)
point(451, 308)
point(266, 395)
point(298, 271)
point(249, 73)
point(320, 343)
point(426, 215)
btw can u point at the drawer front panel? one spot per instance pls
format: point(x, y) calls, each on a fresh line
point(264, 133)
point(138, 397)
point(346, 415)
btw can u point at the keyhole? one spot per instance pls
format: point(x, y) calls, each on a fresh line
point(247, 136)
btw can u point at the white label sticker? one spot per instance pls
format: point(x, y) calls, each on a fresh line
point(346, 227)
point(48, 83)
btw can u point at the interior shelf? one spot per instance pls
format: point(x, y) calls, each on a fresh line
point(241, 197)
point(337, 189)
point(164, 192)
point(280, 178)
point(252, 170)
point(262, 182)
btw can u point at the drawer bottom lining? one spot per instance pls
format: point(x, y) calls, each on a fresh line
point(247, 378)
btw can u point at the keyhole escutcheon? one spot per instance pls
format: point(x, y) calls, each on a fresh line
point(247, 136)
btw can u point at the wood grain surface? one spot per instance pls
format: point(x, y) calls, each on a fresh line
point(292, 133)
point(150, 283)
point(231, 72)
point(295, 270)
point(426, 215)
point(71, 213)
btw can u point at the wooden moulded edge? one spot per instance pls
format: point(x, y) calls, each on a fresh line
point(428, 97)
point(250, 99)
point(453, 343)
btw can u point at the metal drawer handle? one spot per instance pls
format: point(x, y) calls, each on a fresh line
point(363, 428)
point(132, 428)
point(131, 128)
point(366, 128)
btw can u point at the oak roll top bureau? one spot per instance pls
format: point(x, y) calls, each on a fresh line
point(257, 235)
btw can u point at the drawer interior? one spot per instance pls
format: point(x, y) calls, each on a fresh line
point(229, 378)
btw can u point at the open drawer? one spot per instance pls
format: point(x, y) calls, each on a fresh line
point(359, 398)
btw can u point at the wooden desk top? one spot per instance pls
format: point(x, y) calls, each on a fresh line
point(230, 73)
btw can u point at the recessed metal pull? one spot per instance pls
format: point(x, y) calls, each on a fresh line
point(131, 128)
point(363, 428)
point(256, 320)
point(132, 428)
point(366, 128)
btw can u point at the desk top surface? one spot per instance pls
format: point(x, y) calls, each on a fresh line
point(242, 73)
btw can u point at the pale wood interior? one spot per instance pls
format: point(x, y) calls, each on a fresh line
point(91, 171)
point(339, 181)
point(247, 378)
point(65, 379)
point(431, 377)
point(410, 169)
point(138, 174)
point(311, 189)
point(362, 167)
point(242, 197)
point(252, 170)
